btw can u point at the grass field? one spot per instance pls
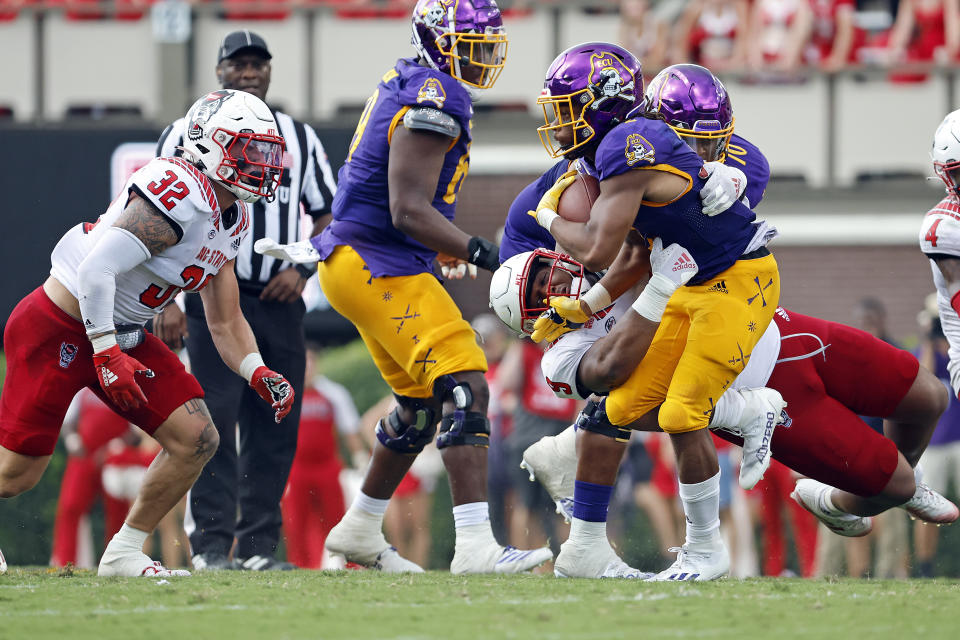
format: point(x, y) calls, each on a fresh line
point(36, 604)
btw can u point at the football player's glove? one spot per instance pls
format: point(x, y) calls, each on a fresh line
point(723, 187)
point(483, 253)
point(564, 315)
point(546, 211)
point(672, 267)
point(274, 389)
point(115, 372)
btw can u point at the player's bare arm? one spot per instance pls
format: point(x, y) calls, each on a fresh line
point(416, 159)
point(229, 329)
point(145, 221)
point(611, 359)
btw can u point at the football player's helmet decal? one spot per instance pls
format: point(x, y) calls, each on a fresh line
point(694, 103)
point(464, 38)
point(512, 287)
point(590, 87)
point(946, 152)
point(233, 138)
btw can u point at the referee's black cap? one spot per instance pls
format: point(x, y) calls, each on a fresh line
point(243, 41)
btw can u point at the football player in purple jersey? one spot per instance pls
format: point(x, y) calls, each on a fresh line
point(392, 215)
point(650, 180)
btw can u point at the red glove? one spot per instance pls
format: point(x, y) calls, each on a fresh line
point(116, 371)
point(275, 389)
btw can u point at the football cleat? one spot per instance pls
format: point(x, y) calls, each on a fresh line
point(212, 562)
point(494, 558)
point(762, 413)
point(134, 564)
point(593, 561)
point(811, 495)
point(296, 252)
point(929, 506)
point(695, 564)
point(552, 460)
point(368, 548)
point(265, 563)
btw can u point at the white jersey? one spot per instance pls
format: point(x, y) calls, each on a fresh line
point(186, 197)
point(940, 234)
point(562, 360)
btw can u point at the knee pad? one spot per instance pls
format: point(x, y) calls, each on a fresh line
point(459, 392)
point(594, 418)
point(398, 436)
point(464, 427)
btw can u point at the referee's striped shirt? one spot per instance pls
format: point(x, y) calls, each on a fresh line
point(307, 180)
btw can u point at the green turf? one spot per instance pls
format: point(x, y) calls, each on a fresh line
point(38, 604)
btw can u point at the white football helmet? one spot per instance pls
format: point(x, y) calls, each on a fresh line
point(514, 284)
point(946, 152)
point(233, 138)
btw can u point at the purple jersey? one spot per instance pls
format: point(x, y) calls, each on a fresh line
point(715, 242)
point(521, 231)
point(361, 209)
point(745, 156)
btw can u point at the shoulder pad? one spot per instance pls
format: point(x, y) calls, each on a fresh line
point(940, 232)
point(177, 188)
point(430, 119)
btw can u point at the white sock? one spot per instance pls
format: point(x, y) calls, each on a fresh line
point(129, 538)
point(370, 506)
point(465, 515)
point(728, 411)
point(586, 532)
point(701, 505)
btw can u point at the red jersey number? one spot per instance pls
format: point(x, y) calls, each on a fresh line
point(193, 278)
point(170, 189)
point(559, 387)
point(931, 235)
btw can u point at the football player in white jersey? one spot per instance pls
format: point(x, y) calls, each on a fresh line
point(176, 226)
point(815, 364)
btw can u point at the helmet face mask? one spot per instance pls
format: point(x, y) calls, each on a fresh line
point(696, 105)
point(233, 138)
point(589, 89)
point(945, 152)
point(464, 38)
point(521, 284)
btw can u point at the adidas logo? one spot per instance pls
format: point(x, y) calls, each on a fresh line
point(109, 377)
point(720, 287)
point(684, 261)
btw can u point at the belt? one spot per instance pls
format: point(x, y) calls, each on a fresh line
point(129, 336)
point(762, 252)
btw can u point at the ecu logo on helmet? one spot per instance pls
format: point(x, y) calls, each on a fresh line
point(608, 77)
point(210, 105)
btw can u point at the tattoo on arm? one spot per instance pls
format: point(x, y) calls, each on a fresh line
point(146, 222)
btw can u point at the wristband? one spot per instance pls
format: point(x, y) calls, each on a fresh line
point(545, 217)
point(305, 271)
point(104, 342)
point(251, 363)
point(652, 302)
point(597, 297)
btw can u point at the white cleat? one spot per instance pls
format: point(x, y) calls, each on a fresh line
point(811, 495)
point(694, 564)
point(296, 252)
point(552, 461)
point(367, 548)
point(135, 564)
point(762, 413)
point(929, 506)
point(497, 559)
point(593, 561)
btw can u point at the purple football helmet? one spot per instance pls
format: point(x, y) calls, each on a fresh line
point(696, 105)
point(591, 88)
point(464, 38)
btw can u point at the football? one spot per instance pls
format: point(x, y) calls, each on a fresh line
point(576, 200)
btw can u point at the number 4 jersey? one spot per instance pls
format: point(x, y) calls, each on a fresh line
point(185, 196)
point(940, 236)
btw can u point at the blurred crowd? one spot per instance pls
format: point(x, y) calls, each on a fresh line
point(772, 40)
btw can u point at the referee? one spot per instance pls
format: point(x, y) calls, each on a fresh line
point(254, 478)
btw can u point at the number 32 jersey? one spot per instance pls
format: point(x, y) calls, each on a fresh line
point(940, 236)
point(186, 197)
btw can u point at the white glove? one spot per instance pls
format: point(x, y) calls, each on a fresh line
point(724, 186)
point(672, 268)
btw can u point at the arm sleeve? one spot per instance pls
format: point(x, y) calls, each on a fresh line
point(319, 184)
point(118, 251)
